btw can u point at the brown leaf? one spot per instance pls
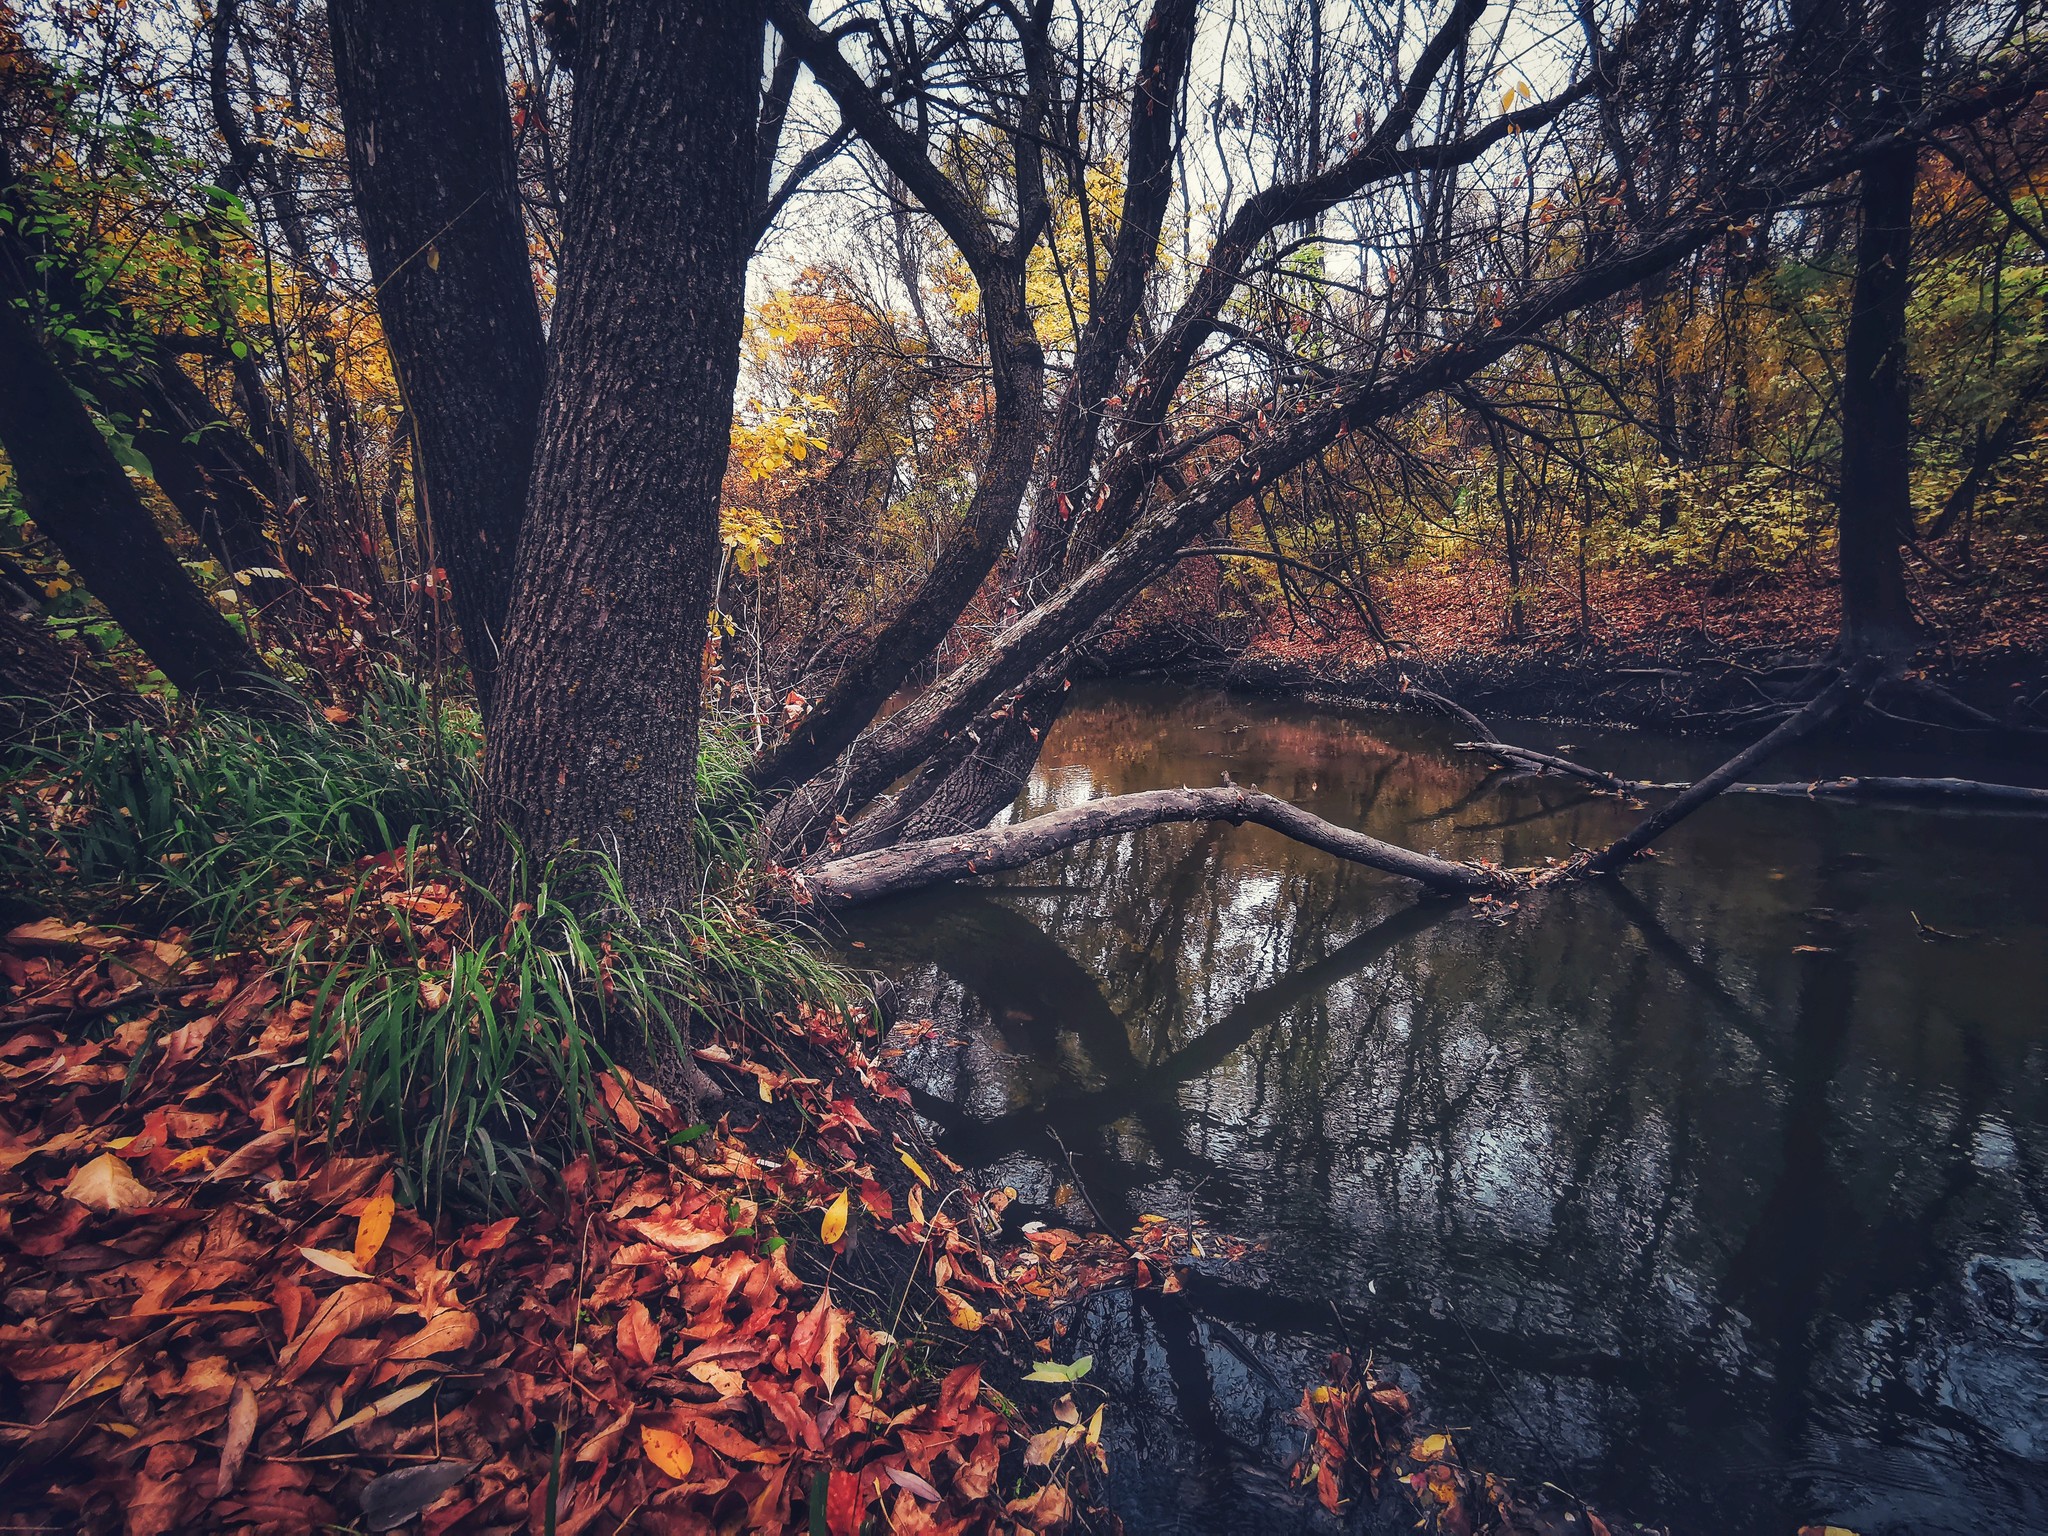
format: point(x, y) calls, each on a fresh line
point(241, 1430)
point(350, 1308)
point(253, 1157)
point(442, 1334)
point(676, 1236)
point(105, 1184)
point(639, 1338)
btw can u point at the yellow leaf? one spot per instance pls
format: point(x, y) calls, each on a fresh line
point(913, 1165)
point(1507, 101)
point(1430, 1449)
point(105, 1184)
point(667, 1450)
point(372, 1227)
point(833, 1227)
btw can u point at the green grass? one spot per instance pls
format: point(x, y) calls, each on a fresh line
point(474, 1051)
point(214, 823)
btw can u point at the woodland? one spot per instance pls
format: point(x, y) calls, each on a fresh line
point(515, 517)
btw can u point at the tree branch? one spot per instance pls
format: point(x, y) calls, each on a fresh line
point(890, 871)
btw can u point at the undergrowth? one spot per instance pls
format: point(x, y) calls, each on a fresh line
point(478, 1039)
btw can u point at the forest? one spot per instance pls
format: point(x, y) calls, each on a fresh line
point(742, 739)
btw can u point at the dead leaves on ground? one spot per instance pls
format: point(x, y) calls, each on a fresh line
point(209, 1321)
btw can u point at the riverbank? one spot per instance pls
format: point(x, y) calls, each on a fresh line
point(1670, 650)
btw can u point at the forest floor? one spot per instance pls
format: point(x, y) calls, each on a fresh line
point(216, 1313)
point(1673, 648)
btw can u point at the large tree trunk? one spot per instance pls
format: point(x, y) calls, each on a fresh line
point(82, 501)
point(592, 732)
point(1876, 511)
point(429, 133)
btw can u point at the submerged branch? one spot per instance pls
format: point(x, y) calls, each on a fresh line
point(890, 871)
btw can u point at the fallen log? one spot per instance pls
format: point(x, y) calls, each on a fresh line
point(910, 866)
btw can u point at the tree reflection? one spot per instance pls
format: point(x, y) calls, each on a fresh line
point(1717, 1195)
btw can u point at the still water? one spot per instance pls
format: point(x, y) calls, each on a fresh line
point(1717, 1195)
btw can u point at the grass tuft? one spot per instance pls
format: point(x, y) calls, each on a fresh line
point(470, 1037)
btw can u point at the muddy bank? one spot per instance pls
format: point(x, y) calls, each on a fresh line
point(1682, 684)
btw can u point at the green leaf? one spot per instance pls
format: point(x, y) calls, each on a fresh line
point(1052, 1370)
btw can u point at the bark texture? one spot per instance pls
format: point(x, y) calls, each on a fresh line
point(592, 738)
point(43, 676)
point(429, 131)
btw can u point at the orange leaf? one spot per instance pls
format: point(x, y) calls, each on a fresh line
point(372, 1227)
point(667, 1450)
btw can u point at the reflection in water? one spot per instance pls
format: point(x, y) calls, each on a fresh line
point(1715, 1195)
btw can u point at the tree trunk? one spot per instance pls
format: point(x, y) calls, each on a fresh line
point(429, 132)
point(82, 501)
point(1876, 506)
point(43, 676)
point(592, 738)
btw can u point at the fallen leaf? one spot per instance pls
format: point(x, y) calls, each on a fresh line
point(833, 1227)
point(372, 1227)
point(105, 1184)
point(915, 1167)
point(916, 1485)
point(639, 1338)
point(391, 1500)
point(241, 1430)
point(390, 1402)
point(667, 1450)
point(350, 1308)
point(334, 1263)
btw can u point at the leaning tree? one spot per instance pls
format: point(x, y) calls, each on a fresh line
point(571, 463)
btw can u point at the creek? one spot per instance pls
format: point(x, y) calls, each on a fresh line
point(1716, 1194)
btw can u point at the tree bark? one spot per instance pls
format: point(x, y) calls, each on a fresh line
point(592, 732)
point(82, 501)
point(429, 132)
point(1876, 498)
point(43, 677)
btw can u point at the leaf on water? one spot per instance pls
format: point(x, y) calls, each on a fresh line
point(372, 1227)
point(667, 1450)
point(915, 1167)
point(833, 1227)
point(105, 1184)
point(391, 1500)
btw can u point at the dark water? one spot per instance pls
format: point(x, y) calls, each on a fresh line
point(1718, 1195)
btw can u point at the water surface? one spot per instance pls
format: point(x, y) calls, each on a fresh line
point(1714, 1194)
